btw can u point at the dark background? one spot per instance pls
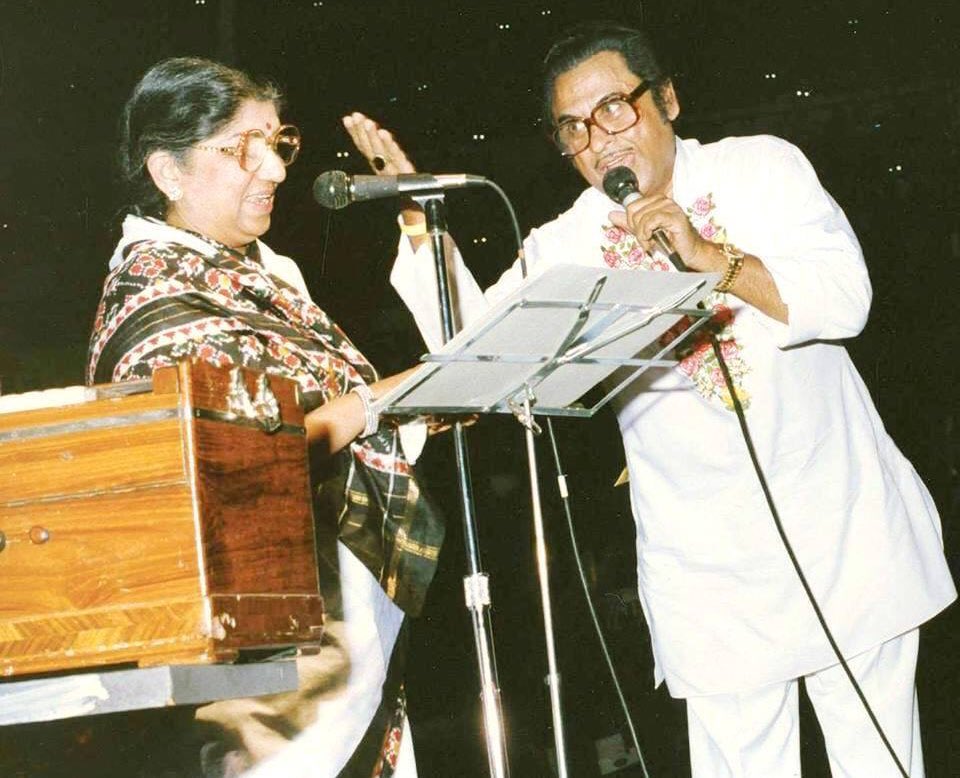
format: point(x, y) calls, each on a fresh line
point(868, 89)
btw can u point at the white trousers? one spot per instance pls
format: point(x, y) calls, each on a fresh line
point(757, 734)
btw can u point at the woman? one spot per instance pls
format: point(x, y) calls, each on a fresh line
point(203, 151)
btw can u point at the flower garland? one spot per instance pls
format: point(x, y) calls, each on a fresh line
point(696, 358)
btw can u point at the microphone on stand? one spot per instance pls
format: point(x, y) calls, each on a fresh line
point(620, 184)
point(336, 189)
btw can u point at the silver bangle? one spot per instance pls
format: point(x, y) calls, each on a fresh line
point(370, 416)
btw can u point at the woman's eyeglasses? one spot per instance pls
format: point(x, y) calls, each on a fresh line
point(251, 148)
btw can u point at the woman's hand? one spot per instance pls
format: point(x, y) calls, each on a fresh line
point(335, 424)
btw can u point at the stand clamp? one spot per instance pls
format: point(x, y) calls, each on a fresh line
point(524, 413)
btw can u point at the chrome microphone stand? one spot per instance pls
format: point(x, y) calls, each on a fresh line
point(476, 583)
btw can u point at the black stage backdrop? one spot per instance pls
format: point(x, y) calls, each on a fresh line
point(867, 89)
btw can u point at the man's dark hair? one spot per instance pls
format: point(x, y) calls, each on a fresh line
point(585, 40)
point(178, 103)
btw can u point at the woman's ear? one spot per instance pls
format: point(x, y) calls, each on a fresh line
point(165, 172)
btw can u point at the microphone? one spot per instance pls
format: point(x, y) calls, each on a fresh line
point(620, 184)
point(336, 189)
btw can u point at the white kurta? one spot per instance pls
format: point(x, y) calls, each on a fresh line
point(725, 608)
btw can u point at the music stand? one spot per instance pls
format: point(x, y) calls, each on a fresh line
point(560, 334)
point(537, 352)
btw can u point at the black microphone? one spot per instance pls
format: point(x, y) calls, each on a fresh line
point(336, 189)
point(620, 184)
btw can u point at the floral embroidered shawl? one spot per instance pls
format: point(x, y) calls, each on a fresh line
point(174, 295)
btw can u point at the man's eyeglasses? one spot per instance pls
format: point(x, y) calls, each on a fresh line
point(251, 149)
point(613, 116)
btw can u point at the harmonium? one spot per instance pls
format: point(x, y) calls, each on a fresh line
point(166, 521)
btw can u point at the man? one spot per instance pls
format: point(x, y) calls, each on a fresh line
point(732, 629)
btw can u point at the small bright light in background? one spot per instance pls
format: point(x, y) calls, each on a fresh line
point(895, 169)
point(769, 75)
point(343, 154)
point(479, 136)
point(545, 12)
point(480, 240)
point(503, 26)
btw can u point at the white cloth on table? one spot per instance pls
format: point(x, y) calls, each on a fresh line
point(47, 699)
point(724, 606)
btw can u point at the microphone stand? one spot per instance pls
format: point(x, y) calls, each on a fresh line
point(476, 583)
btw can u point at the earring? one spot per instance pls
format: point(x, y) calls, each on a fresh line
point(175, 194)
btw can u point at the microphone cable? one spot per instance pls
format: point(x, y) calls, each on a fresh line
point(754, 459)
point(565, 499)
point(781, 531)
point(515, 225)
point(748, 440)
point(620, 184)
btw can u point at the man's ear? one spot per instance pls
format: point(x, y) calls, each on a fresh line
point(670, 103)
point(165, 172)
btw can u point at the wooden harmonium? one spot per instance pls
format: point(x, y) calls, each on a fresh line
point(157, 522)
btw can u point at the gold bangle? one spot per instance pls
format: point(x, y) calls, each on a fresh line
point(412, 230)
point(734, 266)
